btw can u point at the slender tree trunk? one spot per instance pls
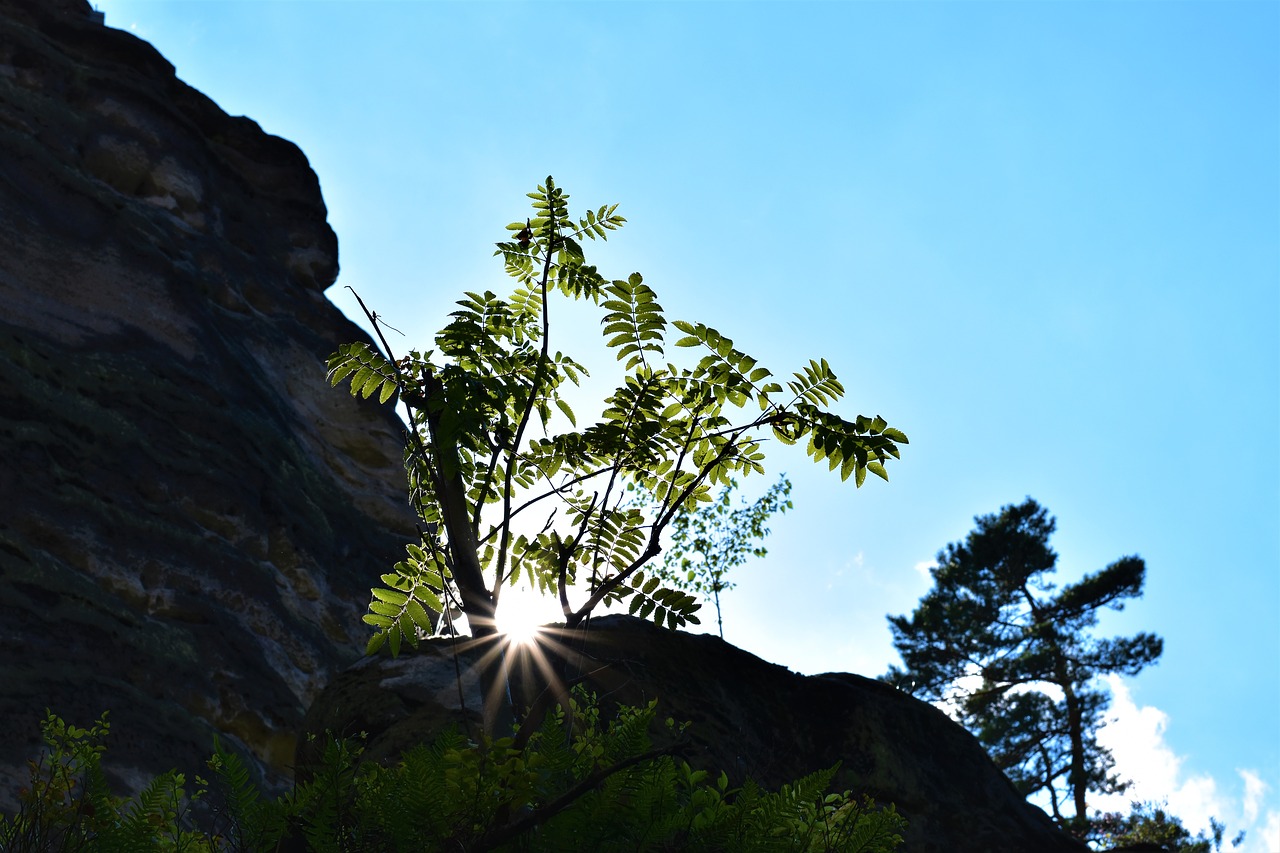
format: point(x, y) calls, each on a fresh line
point(464, 551)
point(719, 619)
point(1077, 779)
point(478, 603)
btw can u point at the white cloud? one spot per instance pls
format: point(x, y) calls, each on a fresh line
point(923, 568)
point(1135, 736)
point(1254, 790)
point(1270, 833)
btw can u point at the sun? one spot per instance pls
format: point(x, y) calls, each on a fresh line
point(521, 615)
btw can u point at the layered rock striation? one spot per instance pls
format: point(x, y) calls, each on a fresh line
point(189, 515)
point(751, 719)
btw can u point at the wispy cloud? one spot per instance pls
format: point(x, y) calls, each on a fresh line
point(1271, 832)
point(1255, 790)
point(1136, 737)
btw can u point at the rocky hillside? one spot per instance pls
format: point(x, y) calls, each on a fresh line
point(189, 515)
point(750, 718)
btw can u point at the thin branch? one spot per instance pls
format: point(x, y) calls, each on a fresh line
point(566, 556)
point(544, 813)
point(555, 490)
point(684, 451)
point(484, 489)
point(416, 440)
point(614, 469)
point(654, 546)
point(582, 478)
point(538, 376)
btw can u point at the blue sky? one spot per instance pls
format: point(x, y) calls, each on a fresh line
point(1043, 239)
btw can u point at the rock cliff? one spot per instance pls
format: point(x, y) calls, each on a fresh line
point(750, 718)
point(189, 515)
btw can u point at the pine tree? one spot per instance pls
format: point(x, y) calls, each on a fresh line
point(1013, 656)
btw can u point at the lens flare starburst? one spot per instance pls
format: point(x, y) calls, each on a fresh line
point(521, 615)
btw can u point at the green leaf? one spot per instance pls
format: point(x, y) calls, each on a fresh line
point(568, 412)
point(363, 375)
point(429, 598)
point(419, 616)
point(390, 596)
point(618, 340)
point(384, 609)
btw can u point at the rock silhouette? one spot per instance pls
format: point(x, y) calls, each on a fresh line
point(750, 719)
point(189, 515)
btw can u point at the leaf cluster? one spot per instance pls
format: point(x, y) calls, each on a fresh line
point(399, 609)
point(1149, 823)
point(605, 788)
point(68, 806)
point(488, 462)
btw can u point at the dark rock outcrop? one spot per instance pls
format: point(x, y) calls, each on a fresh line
point(189, 515)
point(750, 718)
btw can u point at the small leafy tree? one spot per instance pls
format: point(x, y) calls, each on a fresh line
point(483, 405)
point(707, 543)
point(1014, 658)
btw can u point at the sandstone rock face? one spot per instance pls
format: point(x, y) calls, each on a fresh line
point(189, 515)
point(750, 718)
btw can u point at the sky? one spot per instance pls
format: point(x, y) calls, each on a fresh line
point(1042, 239)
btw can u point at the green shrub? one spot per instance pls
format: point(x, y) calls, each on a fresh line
point(602, 787)
point(68, 805)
